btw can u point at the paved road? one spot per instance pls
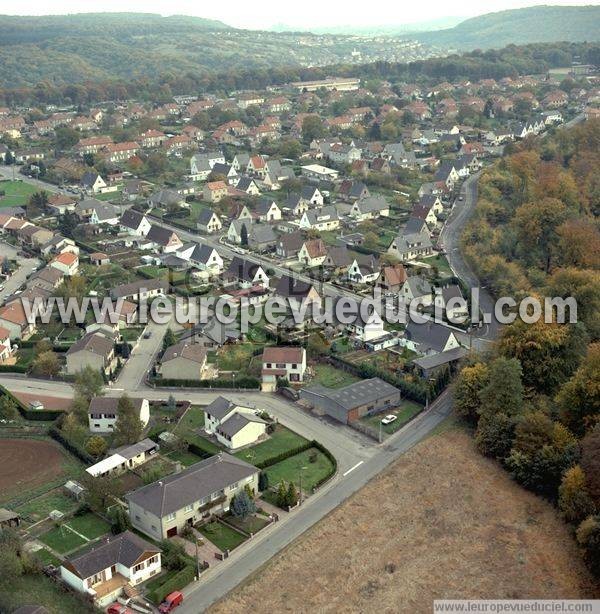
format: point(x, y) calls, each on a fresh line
point(26, 266)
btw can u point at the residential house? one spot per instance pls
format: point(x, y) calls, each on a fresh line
point(61, 203)
point(233, 425)
point(103, 413)
point(209, 221)
point(95, 350)
point(282, 362)
point(312, 195)
point(246, 273)
point(162, 509)
point(338, 259)
point(449, 300)
point(353, 190)
point(391, 279)
point(348, 404)
point(267, 210)
point(417, 288)
point(201, 256)
point(262, 238)
point(5, 345)
point(247, 185)
point(407, 247)
point(167, 199)
point(67, 263)
point(239, 231)
point(317, 172)
point(140, 290)
point(299, 293)
point(428, 338)
point(135, 223)
point(364, 269)
point(320, 219)
point(183, 361)
point(110, 568)
point(312, 253)
point(289, 244)
point(214, 191)
point(14, 318)
point(163, 239)
point(369, 208)
point(92, 183)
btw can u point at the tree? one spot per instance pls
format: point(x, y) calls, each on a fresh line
point(242, 505)
point(100, 491)
point(125, 350)
point(503, 392)
point(120, 520)
point(8, 408)
point(578, 399)
point(173, 555)
point(96, 446)
point(312, 128)
point(469, 384)
point(11, 566)
point(244, 235)
point(128, 427)
point(263, 481)
point(282, 494)
point(5, 267)
point(574, 501)
point(317, 346)
point(43, 345)
point(588, 537)
point(494, 434)
point(46, 363)
point(291, 497)
point(169, 339)
point(88, 384)
point(590, 463)
point(65, 137)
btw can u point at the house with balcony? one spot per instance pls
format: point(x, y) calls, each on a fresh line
point(282, 362)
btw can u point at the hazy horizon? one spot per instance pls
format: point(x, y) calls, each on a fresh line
point(311, 14)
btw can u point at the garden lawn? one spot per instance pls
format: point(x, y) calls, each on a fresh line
point(251, 524)
point(222, 536)
point(16, 193)
point(185, 458)
point(280, 441)
point(236, 357)
point(329, 376)
point(290, 468)
point(62, 540)
point(90, 525)
point(441, 263)
point(192, 421)
point(47, 558)
point(406, 411)
point(38, 509)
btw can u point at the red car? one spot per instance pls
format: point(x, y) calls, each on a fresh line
point(118, 608)
point(170, 602)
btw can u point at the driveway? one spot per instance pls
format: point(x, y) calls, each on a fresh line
point(25, 267)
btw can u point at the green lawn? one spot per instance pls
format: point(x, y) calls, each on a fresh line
point(313, 464)
point(236, 357)
point(329, 376)
point(185, 458)
point(131, 334)
point(47, 558)
point(90, 525)
point(62, 540)
point(221, 536)
point(38, 509)
point(40, 590)
point(405, 412)
point(16, 193)
point(192, 421)
point(281, 440)
point(251, 524)
point(441, 263)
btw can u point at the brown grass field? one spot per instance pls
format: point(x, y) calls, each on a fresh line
point(442, 522)
point(27, 464)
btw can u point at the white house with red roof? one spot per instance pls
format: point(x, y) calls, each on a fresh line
point(282, 362)
point(67, 263)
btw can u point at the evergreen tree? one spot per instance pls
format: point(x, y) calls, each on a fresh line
point(129, 427)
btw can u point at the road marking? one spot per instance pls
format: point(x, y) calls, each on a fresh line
point(352, 468)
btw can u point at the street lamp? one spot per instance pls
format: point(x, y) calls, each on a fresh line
point(301, 470)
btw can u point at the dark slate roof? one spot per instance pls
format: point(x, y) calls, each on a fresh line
point(356, 394)
point(125, 548)
point(430, 335)
point(205, 216)
point(289, 287)
point(96, 342)
point(243, 269)
point(442, 358)
point(100, 405)
point(236, 423)
point(135, 287)
point(219, 408)
point(159, 235)
point(201, 253)
point(308, 191)
point(198, 481)
point(132, 219)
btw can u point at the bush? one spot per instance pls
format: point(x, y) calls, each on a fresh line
point(174, 583)
point(240, 382)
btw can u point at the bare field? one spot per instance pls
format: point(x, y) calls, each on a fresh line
point(442, 522)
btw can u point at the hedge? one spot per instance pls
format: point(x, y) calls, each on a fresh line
point(240, 382)
point(175, 583)
point(80, 453)
point(331, 458)
point(198, 450)
point(13, 369)
point(40, 415)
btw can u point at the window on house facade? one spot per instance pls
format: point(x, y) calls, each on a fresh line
point(170, 516)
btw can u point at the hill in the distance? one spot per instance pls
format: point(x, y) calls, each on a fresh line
point(536, 24)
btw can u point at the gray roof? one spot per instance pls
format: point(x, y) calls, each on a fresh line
point(201, 253)
point(125, 548)
point(132, 219)
point(100, 405)
point(205, 216)
point(159, 235)
point(408, 242)
point(324, 214)
point(418, 285)
point(372, 203)
point(201, 480)
point(242, 269)
point(135, 287)
point(96, 342)
point(441, 358)
point(428, 336)
point(356, 394)
point(414, 225)
point(219, 408)
point(133, 450)
point(261, 233)
point(236, 423)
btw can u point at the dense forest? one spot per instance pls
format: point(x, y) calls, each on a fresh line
point(535, 399)
point(535, 24)
point(508, 62)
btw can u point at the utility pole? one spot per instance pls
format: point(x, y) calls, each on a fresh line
point(197, 560)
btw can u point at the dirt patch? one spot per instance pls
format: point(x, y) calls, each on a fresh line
point(58, 403)
point(442, 522)
point(27, 464)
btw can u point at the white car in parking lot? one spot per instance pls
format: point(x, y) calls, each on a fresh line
point(389, 419)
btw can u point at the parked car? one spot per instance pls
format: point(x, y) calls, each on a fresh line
point(389, 419)
point(118, 608)
point(170, 602)
point(147, 335)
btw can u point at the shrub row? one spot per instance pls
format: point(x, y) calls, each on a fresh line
point(174, 583)
point(80, 453)
point(240, 382)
